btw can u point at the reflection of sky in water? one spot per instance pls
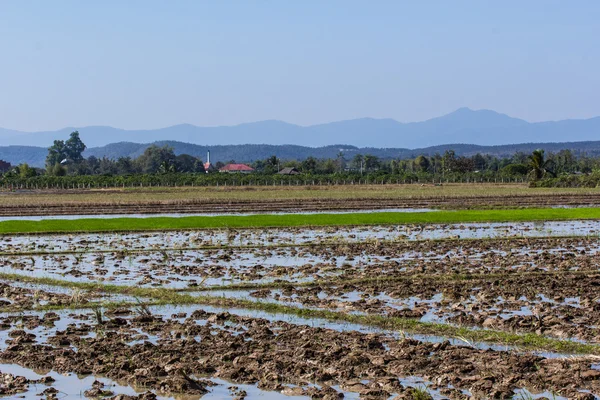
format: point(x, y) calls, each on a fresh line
point(137, 258)
point(179, 215)
point(262, 237)
point(71, 386)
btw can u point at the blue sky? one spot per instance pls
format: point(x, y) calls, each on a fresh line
point(149, 64)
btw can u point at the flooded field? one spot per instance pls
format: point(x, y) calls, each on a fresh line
point(180, 215)
point(125, 350)
point(217, 266)
point(290, 236)
point(407, 312)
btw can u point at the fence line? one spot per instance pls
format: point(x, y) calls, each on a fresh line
point(258, 182)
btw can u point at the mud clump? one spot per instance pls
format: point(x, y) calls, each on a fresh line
point(11, 384)
point(288, 358)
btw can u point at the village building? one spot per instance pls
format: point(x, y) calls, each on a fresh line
point(237, 168)
point(289, 171)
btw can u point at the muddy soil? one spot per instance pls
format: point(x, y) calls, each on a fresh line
point(43, 243)
point(13, 297)
point(217, 267)
point(300, 205)
point(181, 352)
point(547, 286)
point(565, 306)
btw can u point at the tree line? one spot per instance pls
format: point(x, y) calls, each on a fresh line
point(65, 159)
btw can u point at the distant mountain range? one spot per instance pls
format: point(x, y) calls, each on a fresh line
point(481, 127)
point(488, 132)
point(35, 156)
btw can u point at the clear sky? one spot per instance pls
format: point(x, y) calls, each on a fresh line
point(149, 64)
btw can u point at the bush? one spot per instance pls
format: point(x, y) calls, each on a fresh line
point(570, 181)
point(515, 170)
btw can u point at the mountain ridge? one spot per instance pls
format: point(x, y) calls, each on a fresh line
point(464, 125)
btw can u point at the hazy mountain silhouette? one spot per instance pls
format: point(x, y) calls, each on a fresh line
point(481, 127)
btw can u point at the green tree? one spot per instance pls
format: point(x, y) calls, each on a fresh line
point(25, 171)
point(154, 157)
point(106, 166)
point(309, 165)
point(479, 162)
point(564, 162)
point(515, 170)
point(74, 148)
point(421, 163)
point(435, 163)
point(271, 165)
point(61, 152)
point(371, 162)
point(340, 162)
point(93, 164)
point(166, 168)
point(58, 170)
point(56, 154)
point(538, 165)
point(520, 158)
point(124, 165)
point(449, 161)
point(358, 162)
point(329, 166)
point(188, 163)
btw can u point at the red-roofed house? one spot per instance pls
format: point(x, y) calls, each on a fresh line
point(242, 168)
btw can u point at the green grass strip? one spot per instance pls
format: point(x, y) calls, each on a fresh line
point(296, 220)
point(164, 296)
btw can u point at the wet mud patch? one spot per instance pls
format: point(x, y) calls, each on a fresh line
point(564, 306)
point(199, 268)
point(180, 352)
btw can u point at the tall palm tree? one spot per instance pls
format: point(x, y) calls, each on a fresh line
point(538, 165)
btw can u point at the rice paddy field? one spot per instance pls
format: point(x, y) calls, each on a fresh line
point(261, 199)
point(406, 301)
